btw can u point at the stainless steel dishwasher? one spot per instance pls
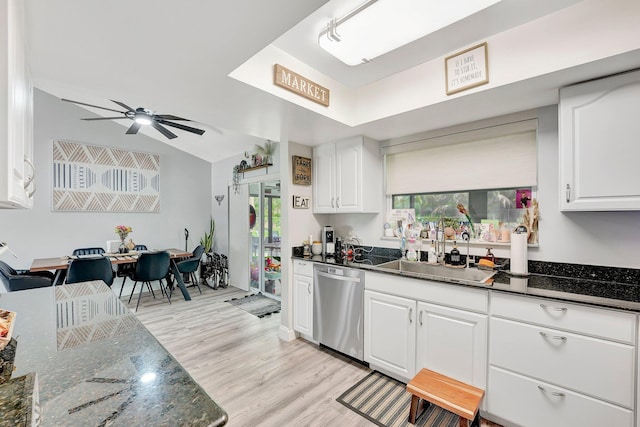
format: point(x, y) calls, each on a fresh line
point(338, 309)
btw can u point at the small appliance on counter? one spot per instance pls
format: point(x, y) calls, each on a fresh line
point(328, 240)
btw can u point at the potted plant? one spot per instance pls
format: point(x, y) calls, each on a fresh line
point(207, 239)
point(266, 152)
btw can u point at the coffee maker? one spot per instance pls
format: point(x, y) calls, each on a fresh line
point(328, 240)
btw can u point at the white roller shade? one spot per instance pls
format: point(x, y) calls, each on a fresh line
point(497, 162)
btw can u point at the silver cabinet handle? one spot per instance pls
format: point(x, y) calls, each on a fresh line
point(553, 337)
point(553, 393)
point(28, 181)
point(568, 193)
point(309, 288)
point(547, 307)
point(410, 315)
point(33, 191)
point(332, 205)
point(420, 318)
point(337, 202)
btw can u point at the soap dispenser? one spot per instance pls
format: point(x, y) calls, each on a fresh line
point(454, 256)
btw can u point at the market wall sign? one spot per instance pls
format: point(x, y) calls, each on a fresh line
point(300, 85)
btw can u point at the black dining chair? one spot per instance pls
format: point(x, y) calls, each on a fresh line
point(189, 266)
point(86, 269)
point(88, 251)
point(151, 266)
point(126, 270)
point(19, 280)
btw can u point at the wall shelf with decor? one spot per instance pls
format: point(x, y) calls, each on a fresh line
point(253, 168)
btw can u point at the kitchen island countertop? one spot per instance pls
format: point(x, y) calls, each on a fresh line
point(96, 364)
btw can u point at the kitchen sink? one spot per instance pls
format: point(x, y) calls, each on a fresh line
point(438, 271)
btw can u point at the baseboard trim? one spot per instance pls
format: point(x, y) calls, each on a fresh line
point(286, 334)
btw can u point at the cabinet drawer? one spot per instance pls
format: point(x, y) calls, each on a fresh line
point(527, 402)
point(463, 297)
point(303, 268)
point(603, 369)
point(603, 323)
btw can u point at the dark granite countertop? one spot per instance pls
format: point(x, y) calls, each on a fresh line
point(96, 364)
point(599, 289)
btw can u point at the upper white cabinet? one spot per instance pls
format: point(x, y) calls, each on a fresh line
point(347, 176)
point(17, 183)
point(599, 124)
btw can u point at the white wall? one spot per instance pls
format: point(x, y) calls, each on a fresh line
point(185, 192)
point(596, 238)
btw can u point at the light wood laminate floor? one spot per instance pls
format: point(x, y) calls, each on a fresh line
point(241, 363)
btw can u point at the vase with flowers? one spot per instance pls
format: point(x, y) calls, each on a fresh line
point(123, 231)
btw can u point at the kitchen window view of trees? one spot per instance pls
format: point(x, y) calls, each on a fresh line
point(494, 204)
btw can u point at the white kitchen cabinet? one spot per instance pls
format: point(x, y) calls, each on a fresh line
point(452, 342)
point(303, 298)
point(553, 363)
point(598, 131)
point(17, 184)
point(408, 327)
point(390, 334)
point(527, 402)
point(347, 176)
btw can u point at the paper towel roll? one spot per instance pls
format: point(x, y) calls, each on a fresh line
point(519, 259)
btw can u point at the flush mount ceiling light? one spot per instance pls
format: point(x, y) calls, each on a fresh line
point(380, 26)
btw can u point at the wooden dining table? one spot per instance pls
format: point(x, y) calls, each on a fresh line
point(61, 264)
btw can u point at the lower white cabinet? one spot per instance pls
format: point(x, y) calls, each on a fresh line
point(303, 297)
point(402, 336)
point(553, 363)
point(528, 402)
point(452, 342)
point(390, 334)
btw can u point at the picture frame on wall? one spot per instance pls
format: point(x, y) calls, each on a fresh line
point(467, 69)
point(301, 170)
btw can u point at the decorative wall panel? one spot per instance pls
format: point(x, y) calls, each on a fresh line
point(101, 179)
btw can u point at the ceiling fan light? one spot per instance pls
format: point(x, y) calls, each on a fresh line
point(142, 119)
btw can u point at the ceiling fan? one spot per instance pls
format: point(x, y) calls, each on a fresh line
point(142, 117)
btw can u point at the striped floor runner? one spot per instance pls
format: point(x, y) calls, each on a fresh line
point(386, 402)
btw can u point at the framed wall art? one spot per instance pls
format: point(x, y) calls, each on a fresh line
point(301, 170)
point(103, 179)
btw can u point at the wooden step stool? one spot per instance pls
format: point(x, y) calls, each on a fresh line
point(454, 396)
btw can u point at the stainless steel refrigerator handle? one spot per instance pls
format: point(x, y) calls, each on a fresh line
point(342, 278)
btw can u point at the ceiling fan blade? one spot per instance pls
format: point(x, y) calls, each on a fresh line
point(105, 118)
point(89, 105)
point(182, 127)
point(135, 127)
point(170, 117)
point(123, 105)
point(163, 130)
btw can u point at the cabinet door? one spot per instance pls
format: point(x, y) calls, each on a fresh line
point(452, 342)
point(390, 334)
point(16, 139)
point(599, 127)
point(324, 178)
point(349, 176)
point(303, 304)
